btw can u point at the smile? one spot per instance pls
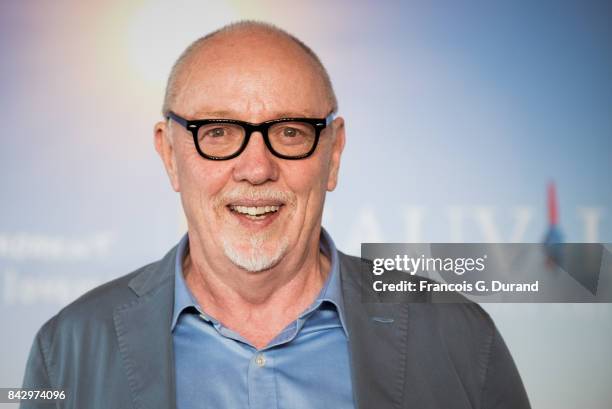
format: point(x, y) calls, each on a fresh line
point(255, 212)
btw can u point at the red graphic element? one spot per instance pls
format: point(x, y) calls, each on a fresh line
point(553, 214)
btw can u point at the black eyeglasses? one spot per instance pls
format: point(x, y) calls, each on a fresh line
point(286, 138)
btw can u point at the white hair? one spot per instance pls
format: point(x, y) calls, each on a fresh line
point(255, 258)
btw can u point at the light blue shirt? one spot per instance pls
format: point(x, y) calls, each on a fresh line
point(305, 366)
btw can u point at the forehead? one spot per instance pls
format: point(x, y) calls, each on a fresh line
point(251, 76)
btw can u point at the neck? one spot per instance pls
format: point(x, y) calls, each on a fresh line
point(256, 305)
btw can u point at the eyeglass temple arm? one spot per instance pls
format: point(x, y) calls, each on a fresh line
point(176, 118)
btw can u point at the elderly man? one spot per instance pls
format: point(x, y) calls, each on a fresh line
point(255, 307)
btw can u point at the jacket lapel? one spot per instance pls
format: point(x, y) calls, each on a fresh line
point(377, 338)
point(144, 336)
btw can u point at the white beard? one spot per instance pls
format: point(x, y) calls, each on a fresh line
point(255, 258)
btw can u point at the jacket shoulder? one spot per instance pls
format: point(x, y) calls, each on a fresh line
point(93, 311)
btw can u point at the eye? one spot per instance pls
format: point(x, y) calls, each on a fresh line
point(216, 132)
point(290, 132)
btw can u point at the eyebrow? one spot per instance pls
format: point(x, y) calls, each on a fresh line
point(232, 115)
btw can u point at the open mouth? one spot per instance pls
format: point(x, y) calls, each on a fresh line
point(255, 212)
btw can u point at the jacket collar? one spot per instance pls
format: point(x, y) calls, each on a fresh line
point(154, 275)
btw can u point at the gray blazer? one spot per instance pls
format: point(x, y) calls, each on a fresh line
point(112, 348)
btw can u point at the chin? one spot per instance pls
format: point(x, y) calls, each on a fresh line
point(256, 253)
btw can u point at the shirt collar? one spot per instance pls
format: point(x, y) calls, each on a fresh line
point(182, 296)
point(331, 291)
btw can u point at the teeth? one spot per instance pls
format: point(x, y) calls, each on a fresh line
point(254, 210)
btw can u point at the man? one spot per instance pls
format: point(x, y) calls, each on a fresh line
point(255, 307)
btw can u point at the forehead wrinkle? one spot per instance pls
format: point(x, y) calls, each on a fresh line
point(255, 105)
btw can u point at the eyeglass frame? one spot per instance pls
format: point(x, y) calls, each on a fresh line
point(194, 126)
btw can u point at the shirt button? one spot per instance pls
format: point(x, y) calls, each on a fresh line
point(260, 360)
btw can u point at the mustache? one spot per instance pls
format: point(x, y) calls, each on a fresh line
point(251, 193)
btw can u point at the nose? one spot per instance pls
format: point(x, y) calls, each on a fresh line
point(256, 164)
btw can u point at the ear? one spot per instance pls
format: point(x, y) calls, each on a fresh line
point(165, 148)
point(337, 148)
